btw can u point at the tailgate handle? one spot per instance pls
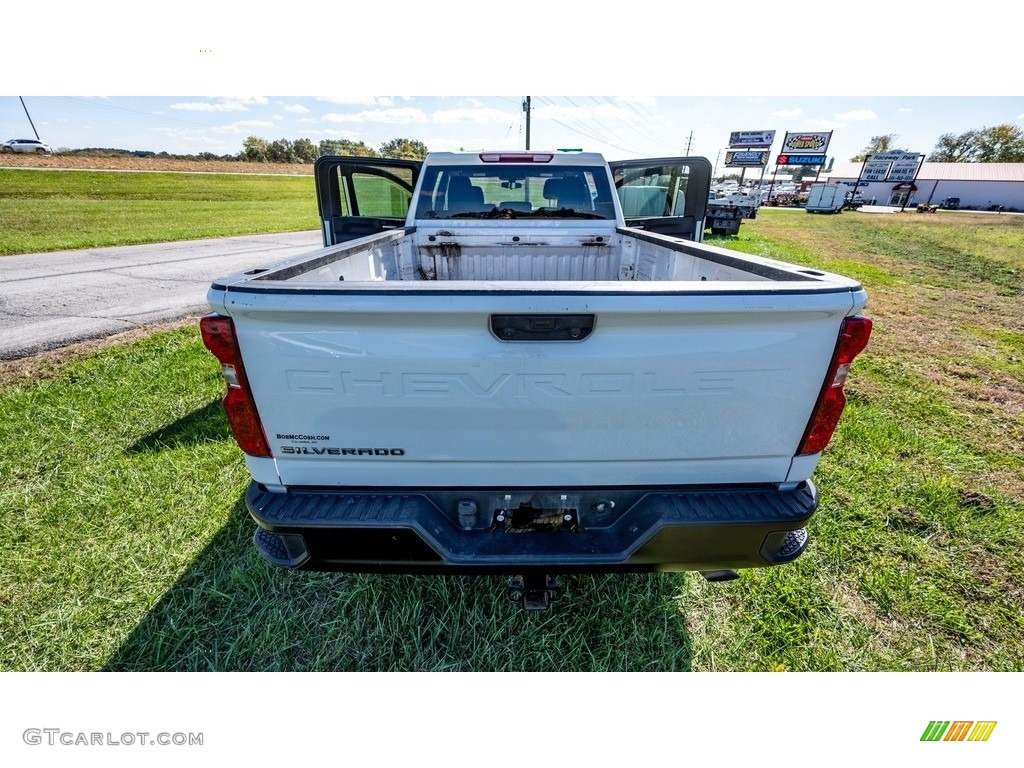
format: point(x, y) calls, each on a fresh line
point(542, 327)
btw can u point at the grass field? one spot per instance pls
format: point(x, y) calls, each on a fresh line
point(125, 542)
point(150, 207)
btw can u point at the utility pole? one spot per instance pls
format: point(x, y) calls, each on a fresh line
point(526, 109)
point(29, 118)
point(689, 143)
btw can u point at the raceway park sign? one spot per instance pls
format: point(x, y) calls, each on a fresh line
point(752, 139)
point(746, 159)
point(806, 143)
point(891, 166)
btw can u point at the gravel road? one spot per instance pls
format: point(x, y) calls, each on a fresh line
point(50, 300)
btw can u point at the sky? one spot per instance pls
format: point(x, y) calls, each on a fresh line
point(620, 127)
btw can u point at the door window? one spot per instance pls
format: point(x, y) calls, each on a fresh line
point(376, 193)
point(654, 191)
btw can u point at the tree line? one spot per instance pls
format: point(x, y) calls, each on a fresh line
point(257, 150)
point(995, 144)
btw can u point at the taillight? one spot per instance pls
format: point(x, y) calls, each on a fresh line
point(219, 337)
point(853, 337)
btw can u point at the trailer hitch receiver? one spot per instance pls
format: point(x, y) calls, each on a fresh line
point(534, 591)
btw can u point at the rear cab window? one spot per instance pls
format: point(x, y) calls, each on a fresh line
point(511, 191)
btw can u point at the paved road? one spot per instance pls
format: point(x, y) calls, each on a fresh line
point(48, 300)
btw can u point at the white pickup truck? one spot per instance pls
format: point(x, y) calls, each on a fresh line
point(528, 363)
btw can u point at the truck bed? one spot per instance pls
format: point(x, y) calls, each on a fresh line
point(622, 255)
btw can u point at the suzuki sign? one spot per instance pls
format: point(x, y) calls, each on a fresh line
point(800, 160)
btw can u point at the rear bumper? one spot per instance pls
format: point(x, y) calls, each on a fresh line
point(509, 532)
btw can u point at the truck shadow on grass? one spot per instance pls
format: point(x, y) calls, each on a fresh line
point(232, 611)
point(202, 425)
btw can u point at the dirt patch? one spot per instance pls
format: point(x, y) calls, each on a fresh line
point(45, 365)
point(988, 568)
point(122, 163)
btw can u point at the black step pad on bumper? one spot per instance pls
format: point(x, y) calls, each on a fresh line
point(605, 530)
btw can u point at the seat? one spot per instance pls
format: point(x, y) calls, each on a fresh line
point(463, 196)
point(642, 201)
point(569, 192)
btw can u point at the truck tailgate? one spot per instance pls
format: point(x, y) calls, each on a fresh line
point(415, 388)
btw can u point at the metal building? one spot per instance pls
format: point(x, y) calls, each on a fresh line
point(980, 186)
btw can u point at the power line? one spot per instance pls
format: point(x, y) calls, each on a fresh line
point(599, 130)
point(122, 110)
point(594, 119)
point(664, 139)
point(587, 133)
point(646, 120)
point(643, 128)
point(594, 125)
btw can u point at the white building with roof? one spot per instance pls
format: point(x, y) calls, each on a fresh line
point(980, 186)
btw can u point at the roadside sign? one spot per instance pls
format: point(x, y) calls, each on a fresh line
point(752, 139)
point(806, 143)
point(905, 169)
point(753, 159)
point(896, 154)
point(875, 171)
point(800, 160)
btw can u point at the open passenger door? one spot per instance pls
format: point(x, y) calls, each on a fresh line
point(360, 196)
point(665, 195)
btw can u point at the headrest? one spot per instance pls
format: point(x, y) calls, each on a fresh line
point(554, 188)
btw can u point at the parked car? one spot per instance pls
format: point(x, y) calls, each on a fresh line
point(26, 145)
point(950, 203)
